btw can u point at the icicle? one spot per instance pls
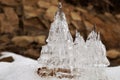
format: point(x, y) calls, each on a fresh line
point(79, 39)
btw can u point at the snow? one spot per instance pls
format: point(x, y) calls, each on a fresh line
point(25, 69)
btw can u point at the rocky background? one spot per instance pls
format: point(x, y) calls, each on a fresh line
point(24, 24)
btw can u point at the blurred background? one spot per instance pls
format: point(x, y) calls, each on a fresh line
point(24, 24)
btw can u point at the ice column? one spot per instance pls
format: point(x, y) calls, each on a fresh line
point(57, 52)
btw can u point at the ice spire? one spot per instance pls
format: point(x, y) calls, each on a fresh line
point(80, 59)
point(78, 50)
point(101, 52)
point(97, 50)
point(79, 39)
point(91, 46)
point(93, 34)
point(59, 43)
point(59, 28)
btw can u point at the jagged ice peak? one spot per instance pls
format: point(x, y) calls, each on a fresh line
point(61, 52)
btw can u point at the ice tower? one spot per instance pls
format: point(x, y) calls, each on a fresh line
point(59, 43)
point(64, 59)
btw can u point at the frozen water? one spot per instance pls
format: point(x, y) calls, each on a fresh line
point(97, 51)
point(60, 43)
point(86, 60)
point(25, 69)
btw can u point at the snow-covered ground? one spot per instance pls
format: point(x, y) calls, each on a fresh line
point(25, 69)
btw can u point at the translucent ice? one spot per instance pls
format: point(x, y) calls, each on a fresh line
point(86, 60)
point(60, 43)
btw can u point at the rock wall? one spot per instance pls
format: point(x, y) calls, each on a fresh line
point(24, 26)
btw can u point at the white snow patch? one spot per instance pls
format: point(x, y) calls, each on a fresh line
point(25, 69)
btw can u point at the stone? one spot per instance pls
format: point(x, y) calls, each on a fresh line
point(55, 2)
point(32, 53)
point(113, 54)
point(40, 39)
point(96, 20)
point(43, 4)
point(108, 14)
point(110, 17)
point(7, 59)
point(88, 25)
point(28, 12)
point(5, 39)
point(75, 16)
point(2, 16)
point(11, 16)
point(117, 16)
point(90, 7)
point(30, 3)
point(81, 9)
point(31, 12)
point(33, 27)
point(115, 62)
point(9, 2)
point(50, 13)
point(75, 25)
point(5, 26)
point(22, 41)
point(46, 72)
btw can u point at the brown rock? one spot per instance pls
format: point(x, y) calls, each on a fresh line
point(50, 13)
point(112, 54)
point(32, 53)
point(44, 4)
point(33, 27)
point(96, 20)
point(117, 16)
point(30, 3)
point(46, 72)
point(5, 26)
point(9, 2)
point(40, 39)
point(55, 2)
point(7, 59)
point(75, 25)
point(75, 16)
point(115, 62)
point(22, 41)
point(2, 16)
point(11, 16)
point(31, 12)
point(108, 14)
point(110, 17)
point(88, 25)
point(5, 39)
point(81, 10)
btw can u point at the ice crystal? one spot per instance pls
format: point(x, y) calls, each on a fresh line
point(86, 59)
point(60, 43)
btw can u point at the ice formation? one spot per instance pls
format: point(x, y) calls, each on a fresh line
point(86, 60)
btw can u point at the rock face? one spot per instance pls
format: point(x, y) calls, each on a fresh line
point(26, 18)
point(113, 54)
point(7, 59)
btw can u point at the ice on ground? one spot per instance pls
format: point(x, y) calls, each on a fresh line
point(25, 69)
